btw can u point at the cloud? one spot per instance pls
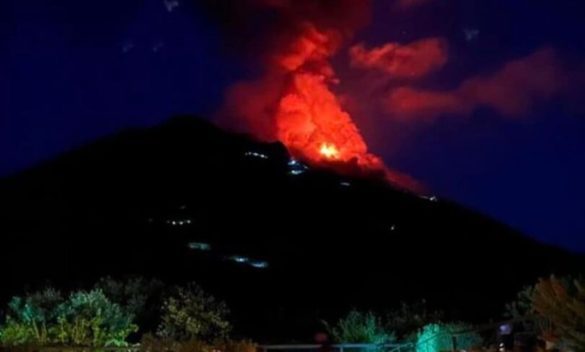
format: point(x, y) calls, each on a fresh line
point(511, 91)
point(413, 60)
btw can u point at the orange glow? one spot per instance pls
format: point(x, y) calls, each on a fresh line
point(293, 101)
point(309, 118)
point(329, 151)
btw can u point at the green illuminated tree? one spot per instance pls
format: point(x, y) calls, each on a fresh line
point(409, 318)
point(30, 318)
point(360, 327)
point(82, 319)
point(439, 337)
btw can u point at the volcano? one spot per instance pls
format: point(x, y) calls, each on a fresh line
point(284, 243)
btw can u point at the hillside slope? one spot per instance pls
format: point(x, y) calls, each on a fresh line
point(285, 244)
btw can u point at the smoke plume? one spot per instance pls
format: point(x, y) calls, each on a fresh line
point(511, 91)
point(414, 60)
point(292, 101)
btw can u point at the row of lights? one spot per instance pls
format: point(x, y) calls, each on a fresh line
point(182, 222)
point(256, 155)
point(295, 167)
point(239, 259)
point(258, 264)
point(199, 246)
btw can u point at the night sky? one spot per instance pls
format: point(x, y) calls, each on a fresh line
point(72, 71)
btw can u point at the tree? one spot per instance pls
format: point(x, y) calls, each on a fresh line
point(562, 302)
point(522, 307)
point(91, 319)
point(409, 318)
point(83, 319)
point(193, 314)
point(360, 327)
point(137, 296)
point(439, 337)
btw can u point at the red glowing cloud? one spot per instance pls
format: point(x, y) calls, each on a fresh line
point(412, 60)
point(511, 91)
point(292, 101)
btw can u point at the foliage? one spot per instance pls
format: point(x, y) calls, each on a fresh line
point(132, 294)
point(91, 319)
point(15, 334)
point(192, 314)
point(152, 344)
point(409, 318)
point(562, 302)
point(522, 306)
point(29, 319)
point(83, 319)
point(360, 327)
point(137, 296)
point(439, 337)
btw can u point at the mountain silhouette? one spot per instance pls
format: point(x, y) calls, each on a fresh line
point(284, 243)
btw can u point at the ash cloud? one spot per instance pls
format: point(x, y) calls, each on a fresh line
point(412, 60)
point(511, 91)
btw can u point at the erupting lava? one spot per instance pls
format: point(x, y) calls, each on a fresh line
point(329, 151)
point(293, 101)
point(313, 126)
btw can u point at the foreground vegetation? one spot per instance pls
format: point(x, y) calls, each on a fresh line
point(121, 314)
point(113, 313)
point(552, 310)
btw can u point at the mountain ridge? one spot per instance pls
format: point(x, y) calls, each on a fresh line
point(147, 202)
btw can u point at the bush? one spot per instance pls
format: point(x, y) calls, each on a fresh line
point(137, 296)
point(409, 318)
point(360, 327)
point(15, 334)
point(90, 319)
point(83, 319)
point(439, 337)
point(192, 314)
point(522, 307)
point(30, 318)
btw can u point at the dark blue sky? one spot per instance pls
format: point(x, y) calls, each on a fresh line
point(72, 71)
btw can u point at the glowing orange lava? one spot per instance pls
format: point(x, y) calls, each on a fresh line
point(309, 116)
point(329, 151)
point(294, 103)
